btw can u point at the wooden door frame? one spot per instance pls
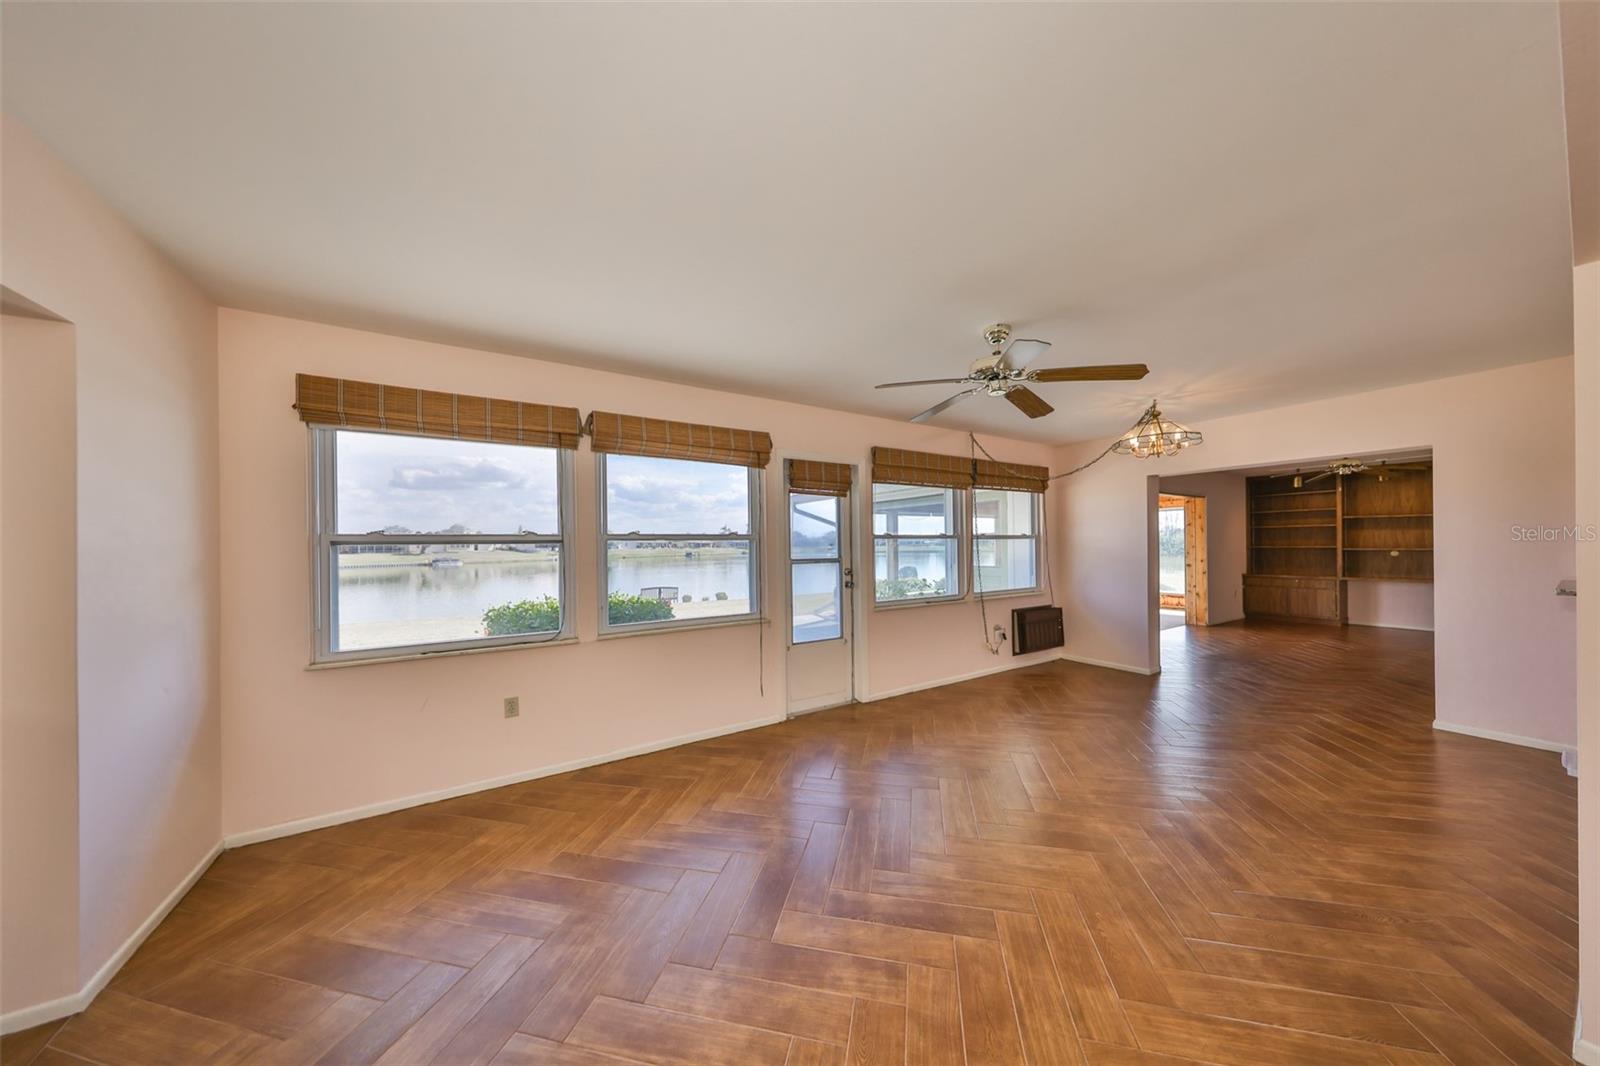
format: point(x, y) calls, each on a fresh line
point(1196, 567)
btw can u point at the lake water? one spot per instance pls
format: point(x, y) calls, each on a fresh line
point(382, 604)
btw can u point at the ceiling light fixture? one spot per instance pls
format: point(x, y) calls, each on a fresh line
point(1155, 435)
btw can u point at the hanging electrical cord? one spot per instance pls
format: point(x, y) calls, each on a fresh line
point(1044, 531)
point(977, 570)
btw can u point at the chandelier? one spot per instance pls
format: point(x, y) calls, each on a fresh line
point(1155, 435)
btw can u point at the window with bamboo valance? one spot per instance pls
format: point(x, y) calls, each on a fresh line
point(898, 466)
point(819, 478)
point(615, 434)
point(328, 401)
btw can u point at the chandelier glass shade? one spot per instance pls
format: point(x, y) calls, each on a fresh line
point(1155, 435)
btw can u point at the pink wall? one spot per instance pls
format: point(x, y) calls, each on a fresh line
point(1225, 537)
point(301, 743)
point(1586, 344)
point(38, 667)
point(1505, 645)
point(148, 718)
point(1392, 604)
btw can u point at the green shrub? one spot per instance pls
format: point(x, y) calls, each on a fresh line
point(542, 615)
point(900, 588)
point(622, 609)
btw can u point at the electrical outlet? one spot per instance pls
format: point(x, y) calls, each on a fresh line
point(513, 706)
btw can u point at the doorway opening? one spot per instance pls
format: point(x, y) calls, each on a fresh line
point(1185, 587)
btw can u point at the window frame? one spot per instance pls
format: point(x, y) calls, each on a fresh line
point(958, 521)
point(841, 544)
point(603, 559)
point(1036, 536)
point(325, 540)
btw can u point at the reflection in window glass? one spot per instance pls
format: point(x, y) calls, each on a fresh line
point(678, 544)
point(914, 545)
point(813, 526)
point(429, 542)
point(388, 483)
point(1169, 541)
point(1004, 545)
point(817, 601)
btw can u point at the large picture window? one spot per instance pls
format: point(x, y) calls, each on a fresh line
point(427, 544)
point(915, 544)
point(1005, 545)
point(680, 540)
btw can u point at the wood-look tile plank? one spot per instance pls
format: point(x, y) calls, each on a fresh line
point(872, 939)
point(1043, 1014)
point(933, 1018)
point(988, 1014)
point(809, 968)
point(801, 1012)
point(664, 1038)
point(877, 1034)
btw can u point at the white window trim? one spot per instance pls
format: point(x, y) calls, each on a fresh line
point(1035, 536)
point(324, 609)
point(959, 521)
point(603, 569)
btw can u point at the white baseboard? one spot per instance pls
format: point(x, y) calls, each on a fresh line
point(1568, 753)
point(39, 1013)
point(1586, 1051)
point(1124, 667)
point(923, 686)
point(355, 814)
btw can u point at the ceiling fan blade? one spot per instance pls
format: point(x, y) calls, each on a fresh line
point(1317, 477)
point(1028, 402)
point(1108, 372)
point(929, 381)
point(1022, 351)
point(936, 408)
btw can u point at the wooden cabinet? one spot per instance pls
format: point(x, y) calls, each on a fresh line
point(1307, 540)
point(1301, 599)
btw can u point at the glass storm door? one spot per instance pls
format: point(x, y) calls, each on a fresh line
point(821, 597)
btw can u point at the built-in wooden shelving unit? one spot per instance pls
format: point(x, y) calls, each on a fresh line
point(1306, 542)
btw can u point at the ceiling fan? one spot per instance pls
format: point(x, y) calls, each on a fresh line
point(1347, 467)
point(1004, 372)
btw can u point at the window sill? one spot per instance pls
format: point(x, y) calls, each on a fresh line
point(971, 597)
point(449, 653)
point(678, 627)
point(925, 601)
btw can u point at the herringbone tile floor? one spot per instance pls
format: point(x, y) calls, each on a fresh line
point(1264, 856)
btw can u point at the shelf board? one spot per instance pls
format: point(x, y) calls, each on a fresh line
point(1294, 492)
point(1297, 547)
point(1388, 549)
point(1291, 510)
point(1298, 525)
point(1320, 577)
point(1420, 514)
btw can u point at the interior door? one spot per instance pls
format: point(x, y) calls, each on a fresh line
point(821, 660)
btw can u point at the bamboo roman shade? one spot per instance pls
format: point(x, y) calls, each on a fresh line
point(897, 466)
point(818, 478)
point(616, 434)
point(364, 405)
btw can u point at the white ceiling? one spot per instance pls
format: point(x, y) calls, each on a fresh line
point(1265, 203)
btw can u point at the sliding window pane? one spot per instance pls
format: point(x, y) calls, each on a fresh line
point(401, 595)
point(817, 602)
point(913, 511)
point(660, 580)
point(1005, 565)
point(645, 494)
point(1003, 513)
point(395, 484)
point(813, 526)
point(908, 568)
